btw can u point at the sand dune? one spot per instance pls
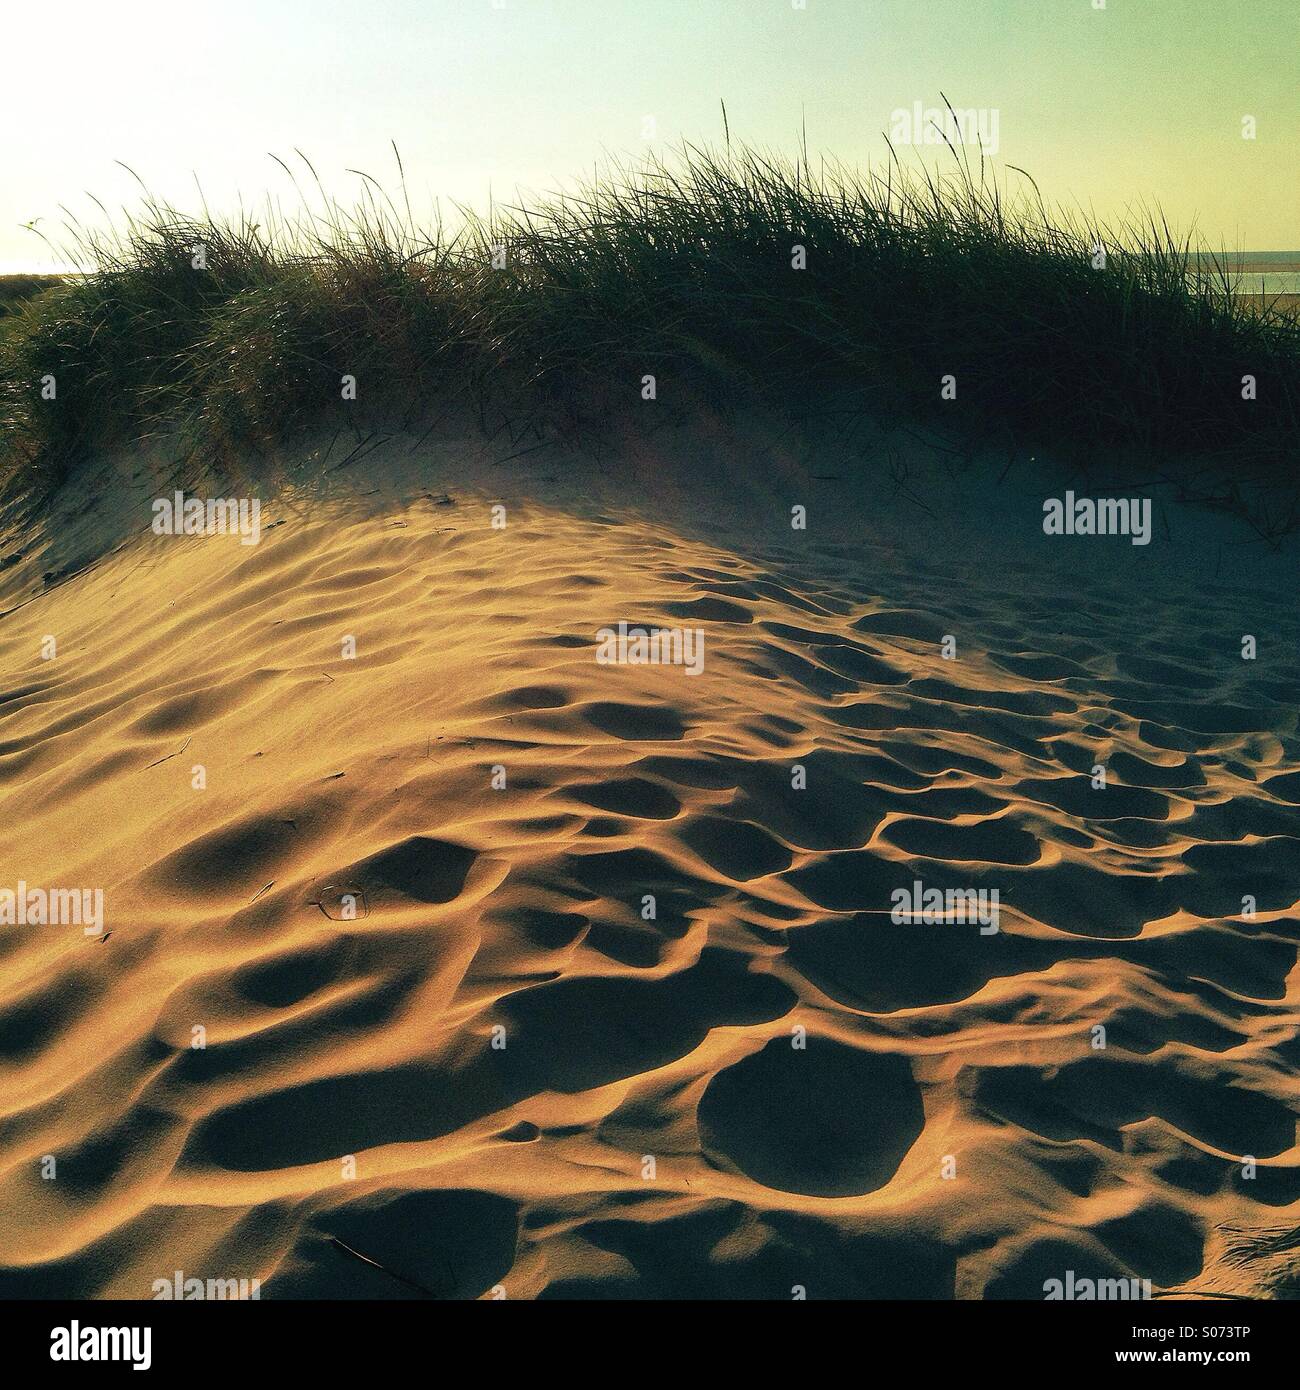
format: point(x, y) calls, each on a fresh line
point(832, 1100)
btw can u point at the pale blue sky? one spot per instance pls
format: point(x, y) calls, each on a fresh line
point(1144, 99)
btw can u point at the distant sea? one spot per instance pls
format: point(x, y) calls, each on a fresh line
point(1267, 282)
point(1250, 272)
point(1267, 272)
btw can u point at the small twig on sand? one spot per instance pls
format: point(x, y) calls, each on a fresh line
point(392, 1273)
point(170, 756)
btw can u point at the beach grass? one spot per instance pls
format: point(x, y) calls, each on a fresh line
point(941, 295)
point(16, 289)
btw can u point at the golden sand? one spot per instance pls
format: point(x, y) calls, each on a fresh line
point(503, 1074)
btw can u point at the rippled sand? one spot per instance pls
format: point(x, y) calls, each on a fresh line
point(500, 1075)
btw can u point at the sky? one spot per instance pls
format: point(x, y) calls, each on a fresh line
point(1111, 105)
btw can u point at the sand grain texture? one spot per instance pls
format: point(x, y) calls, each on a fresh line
point(521, 909)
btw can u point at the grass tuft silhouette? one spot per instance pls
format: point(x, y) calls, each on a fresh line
point(234, 335)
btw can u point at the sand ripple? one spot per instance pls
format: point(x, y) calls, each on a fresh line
point(443, 1029)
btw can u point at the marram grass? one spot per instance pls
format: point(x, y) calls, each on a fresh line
point(730, 275)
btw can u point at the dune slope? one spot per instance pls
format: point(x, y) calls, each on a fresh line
point(469, 964)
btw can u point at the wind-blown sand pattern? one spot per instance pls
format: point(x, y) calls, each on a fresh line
point(776, 1167)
